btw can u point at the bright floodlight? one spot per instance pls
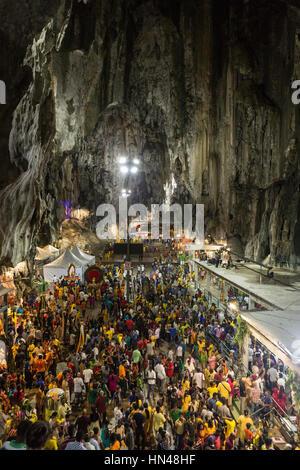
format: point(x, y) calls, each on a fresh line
point(136, 161)
point(124, 170)
point(122, 160)
point(134, 170)
point(233, 306)
point(126, 192)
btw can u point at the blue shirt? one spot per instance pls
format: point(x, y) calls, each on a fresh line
point(75, 446)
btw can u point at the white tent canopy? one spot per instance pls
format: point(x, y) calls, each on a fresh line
point(60, 266)
point(46, 252)
point(84, 256)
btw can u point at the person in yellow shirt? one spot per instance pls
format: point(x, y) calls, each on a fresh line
point(224, 389)
point(52, 384)
point(158, 420)
point(257, 434)
point(218, 403)
point(210, 427)
point(30, 350)
point(119, 336)
point(33, 417)
point(51, 444)
point(56, 343)
point(15, 350)
point(193, 337)
point(186, 401)
point(206, 375)
point(185, 386)
point(110, 334)
point(230, 427)
point(242, 424)
point(212, 389)
point(148, 413)
point(201, 345)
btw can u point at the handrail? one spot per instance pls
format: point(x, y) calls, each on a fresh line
point(273, 408)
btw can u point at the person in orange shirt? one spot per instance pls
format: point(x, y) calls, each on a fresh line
point(33, 364)
point(116, 445)
point(122, 379)
point(49, 359)
point(41, 366)
point(248, 433)
point(122, 372)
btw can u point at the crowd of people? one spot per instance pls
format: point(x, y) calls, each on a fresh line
point(90, 370)
point(264, 382)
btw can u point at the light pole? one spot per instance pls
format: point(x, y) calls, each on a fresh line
point(128, 168)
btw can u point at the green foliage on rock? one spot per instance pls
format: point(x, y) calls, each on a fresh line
point(242, 331)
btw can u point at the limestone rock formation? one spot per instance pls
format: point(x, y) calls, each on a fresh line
point(199, 90)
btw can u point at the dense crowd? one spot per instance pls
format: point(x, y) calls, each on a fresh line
point(151, 373)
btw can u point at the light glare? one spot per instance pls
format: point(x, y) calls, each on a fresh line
point(124, 170)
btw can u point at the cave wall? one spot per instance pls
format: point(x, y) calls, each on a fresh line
point(199, 90)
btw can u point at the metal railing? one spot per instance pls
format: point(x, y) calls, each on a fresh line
point(281, 418)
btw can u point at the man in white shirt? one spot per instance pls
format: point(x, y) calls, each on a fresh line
point(151, 379)
point(221, 316)
point(199, 379)
point(81, 295)
point(206, 414)
point(157, 335)
point(179, 352)
point(161, 375)
point(189, 365)
point(171, 355)
point(272, 376)
point(78, 387)
point(95, 352)
point(87, 375)
point(150, 349)
point(281, 381)
point(250, 356)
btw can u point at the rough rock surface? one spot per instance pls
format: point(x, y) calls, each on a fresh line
point(199, 90)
